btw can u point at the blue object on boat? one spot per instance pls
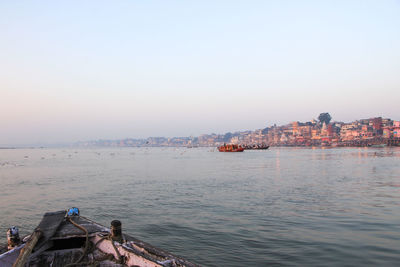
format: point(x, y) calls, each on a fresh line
point(12, 231)
point(73, 212)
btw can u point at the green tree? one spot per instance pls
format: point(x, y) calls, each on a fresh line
point(324, 117)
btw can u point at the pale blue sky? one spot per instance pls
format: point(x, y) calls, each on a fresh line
point(82, 70)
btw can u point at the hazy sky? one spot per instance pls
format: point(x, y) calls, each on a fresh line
point(83, 70)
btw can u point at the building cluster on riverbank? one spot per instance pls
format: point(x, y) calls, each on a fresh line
point(365, 132)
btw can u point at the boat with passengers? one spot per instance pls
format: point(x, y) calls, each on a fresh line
point(230, 148)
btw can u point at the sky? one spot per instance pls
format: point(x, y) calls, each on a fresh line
point(87, 70)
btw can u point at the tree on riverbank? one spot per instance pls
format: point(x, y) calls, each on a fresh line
point(324, 117)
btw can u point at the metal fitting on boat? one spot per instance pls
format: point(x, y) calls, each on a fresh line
point(13, 239)
point(116, 230)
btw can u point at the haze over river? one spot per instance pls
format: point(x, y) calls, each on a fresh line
point(282, 206)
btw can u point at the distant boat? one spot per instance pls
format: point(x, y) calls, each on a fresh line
point(256, 147)
point(379, 145)
point(230, 148)
point(192, 146)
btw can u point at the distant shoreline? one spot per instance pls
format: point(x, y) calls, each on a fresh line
point(126, 147)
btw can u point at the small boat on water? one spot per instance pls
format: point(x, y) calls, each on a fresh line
point(66, 239)
point(230, 148)
point(379, 145)
point(256, 147)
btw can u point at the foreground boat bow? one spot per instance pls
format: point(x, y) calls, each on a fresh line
point(78, 241)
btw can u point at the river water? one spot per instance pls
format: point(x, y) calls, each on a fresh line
point(282, 206)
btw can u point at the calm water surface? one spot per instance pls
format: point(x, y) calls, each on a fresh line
point(289, 207)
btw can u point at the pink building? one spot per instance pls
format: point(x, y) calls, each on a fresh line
point(386, 132)
point(396, 129)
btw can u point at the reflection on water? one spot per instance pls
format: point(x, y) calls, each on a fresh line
point(281, 206)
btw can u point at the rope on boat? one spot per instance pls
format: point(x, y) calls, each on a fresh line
point(86, 243)
point(120, 258)
point(108, 237)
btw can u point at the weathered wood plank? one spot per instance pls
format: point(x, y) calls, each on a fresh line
point(48, 226)
point(26, 251)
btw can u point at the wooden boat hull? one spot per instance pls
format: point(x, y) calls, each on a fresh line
point(69, 243)
point(231, 150)
point(257, 148)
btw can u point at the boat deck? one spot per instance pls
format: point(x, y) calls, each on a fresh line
point(68, 243)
